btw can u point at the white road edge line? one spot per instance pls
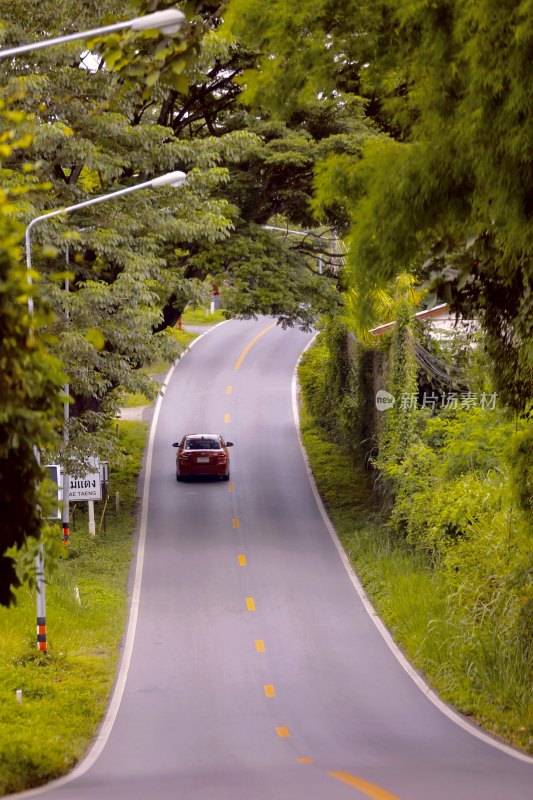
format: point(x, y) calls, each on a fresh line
point(106, 727)
point(416, 677)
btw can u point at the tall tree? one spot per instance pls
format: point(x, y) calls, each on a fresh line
point(448, 193)
point(93, 131)
point(31, 381)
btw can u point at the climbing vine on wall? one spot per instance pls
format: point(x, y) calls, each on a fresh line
point(399, 425)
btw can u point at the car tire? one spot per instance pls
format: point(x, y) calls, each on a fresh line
point(178, 477)
point(225, 477)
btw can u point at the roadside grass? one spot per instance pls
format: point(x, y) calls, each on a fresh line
point(135, 399)
point(184, 338)
point(66, 690)
point(471, 670)
point(201, 316)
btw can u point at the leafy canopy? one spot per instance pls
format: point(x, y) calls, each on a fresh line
point(31, 382)
point(447, 193)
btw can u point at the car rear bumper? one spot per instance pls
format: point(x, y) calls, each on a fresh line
point(191, 470)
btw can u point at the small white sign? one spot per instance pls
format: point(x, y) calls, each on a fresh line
point(104, 471)
point(54, 472)
point(86, 487)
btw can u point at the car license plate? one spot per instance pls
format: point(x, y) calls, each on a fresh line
point(203, 460)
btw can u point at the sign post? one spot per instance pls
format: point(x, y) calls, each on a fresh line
point(41, 599)
point(92, 524)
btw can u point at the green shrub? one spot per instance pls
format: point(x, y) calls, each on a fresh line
point(66, 690)
point(521, 461)
point(336, 381)
point(451, 568)
point(312, 375)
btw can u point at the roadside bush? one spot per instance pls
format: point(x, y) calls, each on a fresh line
point(459, 528)
point(490, 596)
point(439, 512)
point(336, 380)
point(521, 460)
point(462, 497)
point(312, 374)
point(66, 689)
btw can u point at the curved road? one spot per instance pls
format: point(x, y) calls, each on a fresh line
point(256, 672)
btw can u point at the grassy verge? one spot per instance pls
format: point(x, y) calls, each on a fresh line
point(65, 691)
point(184, 337)
point(201, 316)
point(413, 601)
point(135, 399)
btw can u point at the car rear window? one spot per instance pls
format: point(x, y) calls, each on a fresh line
point(203, 444)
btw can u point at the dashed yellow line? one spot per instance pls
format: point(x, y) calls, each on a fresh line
point(260, 646)
point(370, 789)
point(250, 604)
point(242, 560)
point(229, 390)
point(269, 690)
point(231, 486)
point(282, 732)
point(236, 522)
point(306, 760)
point(251, 344)
point(227, 418)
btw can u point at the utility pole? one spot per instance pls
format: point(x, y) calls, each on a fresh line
point(40, 585)
point(66, 415)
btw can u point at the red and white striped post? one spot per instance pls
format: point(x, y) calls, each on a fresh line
point(41, 600)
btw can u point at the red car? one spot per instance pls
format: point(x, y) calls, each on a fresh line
point(202, 454)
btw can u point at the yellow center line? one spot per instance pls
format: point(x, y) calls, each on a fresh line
point(260, 645)
point(269, 691)
point(370, 789)
point(306, 760)
point(229, 390)
point(242, 561)
point(227, 418)
point(236, 522)
point(251, 344)
point(250, 605)
point(231, 486)
point(284, 733)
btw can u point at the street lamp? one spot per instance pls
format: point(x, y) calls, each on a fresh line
point(168, 21)
point(174, 179)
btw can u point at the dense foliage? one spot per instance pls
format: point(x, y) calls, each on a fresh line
point(447, 191)
point(65, 691)
point(138, 105)
point(454, 488)
point(30, 384)
point(471, 659)
point(115, 277)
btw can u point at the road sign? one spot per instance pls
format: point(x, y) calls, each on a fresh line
point(104, 471)
point(54, 473)
point(86, 487)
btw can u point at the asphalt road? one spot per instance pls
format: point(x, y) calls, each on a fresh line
point(256, 672)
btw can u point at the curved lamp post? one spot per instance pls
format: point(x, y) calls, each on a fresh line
point(174, 179)
point(167, 21)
